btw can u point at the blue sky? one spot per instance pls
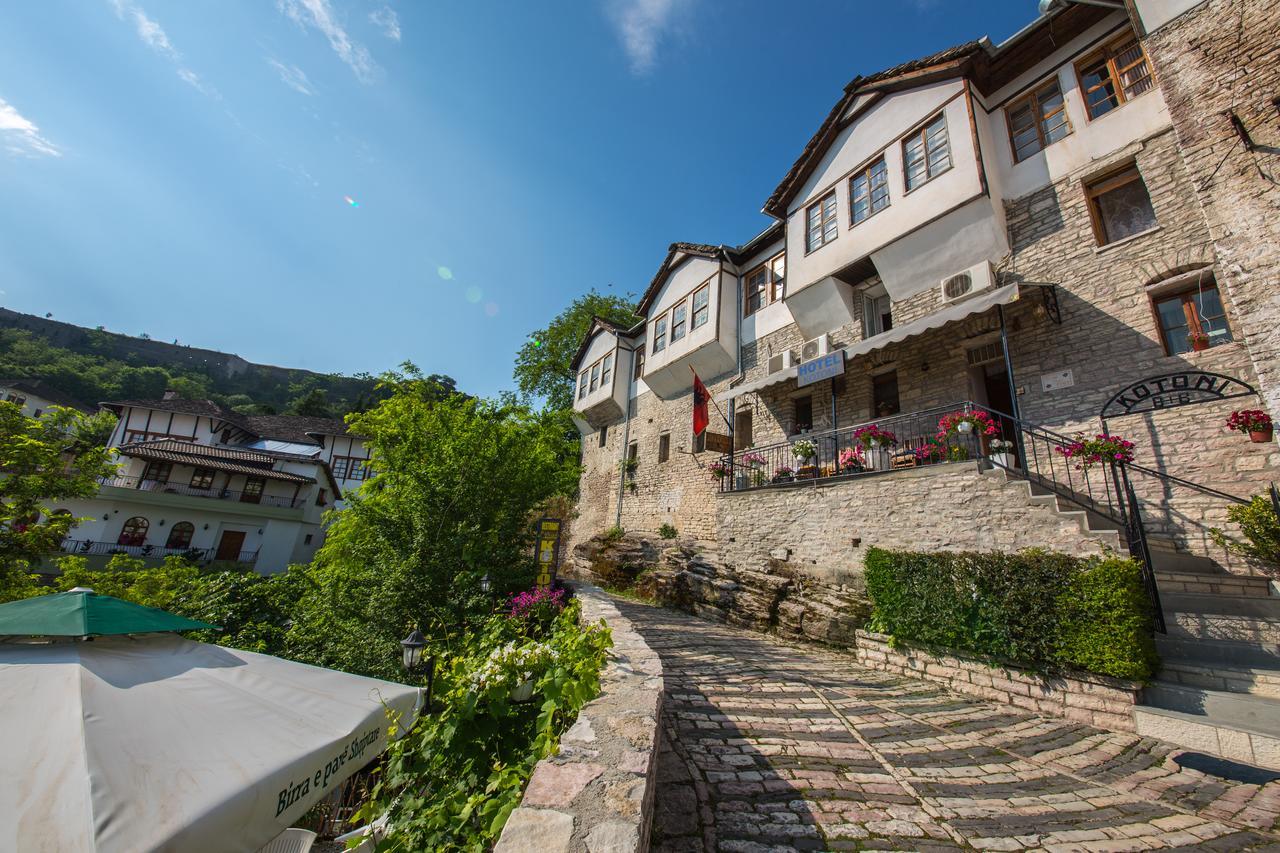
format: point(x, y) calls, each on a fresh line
point(183, 169)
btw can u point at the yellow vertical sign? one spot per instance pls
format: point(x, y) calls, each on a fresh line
point(548, 550)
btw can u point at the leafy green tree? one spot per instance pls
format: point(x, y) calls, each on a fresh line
point(45, 461)
point(543, 363)
point(457, 486)
point(313, 404)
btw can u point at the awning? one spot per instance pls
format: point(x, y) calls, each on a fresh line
point(976, 305)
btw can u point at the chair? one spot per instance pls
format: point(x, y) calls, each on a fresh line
point(291, 841)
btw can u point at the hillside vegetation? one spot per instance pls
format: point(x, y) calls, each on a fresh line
point(95, 365)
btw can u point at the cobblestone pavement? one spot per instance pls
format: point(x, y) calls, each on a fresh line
point(772, 746)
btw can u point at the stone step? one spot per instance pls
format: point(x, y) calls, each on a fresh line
point(1222, 626)
point(1199, 583)
point(1231, 679)
point(1219, 652)
point(1201, 734)
point(1228, 605)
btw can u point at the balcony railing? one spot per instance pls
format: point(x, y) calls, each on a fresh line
point(88, 548)
point(885, 444)
point(171, 487)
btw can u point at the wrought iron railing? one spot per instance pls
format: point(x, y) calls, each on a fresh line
point(89, 548)
point(171, 487)
point(872, 447)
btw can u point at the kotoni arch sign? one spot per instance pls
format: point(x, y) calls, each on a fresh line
point(1172, 390)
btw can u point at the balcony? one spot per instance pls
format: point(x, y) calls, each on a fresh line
point(170, 487)
point(606, 402)
point(887, 444)
point(88, 548)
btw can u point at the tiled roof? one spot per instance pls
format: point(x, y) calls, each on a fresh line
point(294, 427)
point(40, 388)
point(704, 250)
point(203, 408)
point(205, 456)
point(209, 451)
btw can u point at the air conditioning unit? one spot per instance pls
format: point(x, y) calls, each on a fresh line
point(782, 361)
point(968, 282)
point(815, 348)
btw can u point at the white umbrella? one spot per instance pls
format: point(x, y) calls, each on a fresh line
point(124, 745)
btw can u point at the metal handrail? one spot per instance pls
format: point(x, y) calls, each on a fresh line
point(147, 484)
point(1208, 490)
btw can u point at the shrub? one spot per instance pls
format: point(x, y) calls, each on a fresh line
point(667, 531)
point(1037, 608)
point(1260, 525)
point(535, 609)
point(613, 534)
point(451, 783)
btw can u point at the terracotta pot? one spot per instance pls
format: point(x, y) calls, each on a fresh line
point(1260, 436)
point(1199, 344)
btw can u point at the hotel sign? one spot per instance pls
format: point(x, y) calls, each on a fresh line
point(548, 550)
point(823, 367)
point(1171, 390)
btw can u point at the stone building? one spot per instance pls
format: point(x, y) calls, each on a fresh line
point(1075, 229)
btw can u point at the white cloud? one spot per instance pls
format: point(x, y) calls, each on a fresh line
point(319, 15)
point(641, 26)
point(292, 76)
point(154, 36)
point(388, 20)
point(21, 136)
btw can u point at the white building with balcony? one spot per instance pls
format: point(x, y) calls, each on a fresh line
point(197, 480)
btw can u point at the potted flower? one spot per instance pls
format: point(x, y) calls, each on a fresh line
point(784, 474)
point(719, 469)
point(1255, 422)
point(1199, 339)
point(1087, 452)
point(753, 470)
point(1002, 453)
point(851, 460)
point(966, 423)
point(876, 443)
point(930, 452)
point(805, 452)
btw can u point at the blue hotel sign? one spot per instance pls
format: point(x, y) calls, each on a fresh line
point(823, 367)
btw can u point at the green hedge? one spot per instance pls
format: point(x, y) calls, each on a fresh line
point(1035, 608)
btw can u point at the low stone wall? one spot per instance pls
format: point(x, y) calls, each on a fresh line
point(777, 597)
point(1094, 699)
point(596, 793)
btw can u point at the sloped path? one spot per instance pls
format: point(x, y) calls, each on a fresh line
point(773, 746)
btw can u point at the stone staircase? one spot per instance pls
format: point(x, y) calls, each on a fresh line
point(1218, 688)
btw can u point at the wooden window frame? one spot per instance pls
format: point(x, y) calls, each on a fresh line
point(606, 369)
point(633, 451)
point(682, 324)
point(183, 525)
point(795, 410)
point(1187, 296)
point(349, 467)
point(922, 133)
point(253, 495)
point(135, 540)
point(694, 324)
point(1100, 186)
point(156, 464)
point(196, 475)
point(664, 447)
point(637, 368)
point(595, 378)
point(582, 383)
point(659, 334)
point(774, 284)
point(1037, 117)
point(866, 170)
point(604, 436)
point(809, 248)
point(1107, 55)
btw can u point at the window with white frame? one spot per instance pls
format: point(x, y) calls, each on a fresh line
point(606, 370)
point(927, 152)
point(660, 334)
point(701, 306)
point(869, 191)
point(595, 376)
point(877, 312)
point(679, 317)
point(582, 384)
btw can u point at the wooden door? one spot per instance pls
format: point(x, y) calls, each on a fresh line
point(230, 545)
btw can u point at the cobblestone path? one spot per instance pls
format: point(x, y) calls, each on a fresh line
point(772, 746)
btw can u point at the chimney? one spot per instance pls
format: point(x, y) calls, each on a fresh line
point(169, 394)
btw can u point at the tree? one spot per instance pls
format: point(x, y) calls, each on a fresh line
point(313, 404)
point(45, 461)
point(543, 363)
point(457, 486)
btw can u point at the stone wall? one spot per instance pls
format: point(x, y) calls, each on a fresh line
point(1093, 699)
point(824, 528)
point(596, 793)
point(768, 596)
point(1223, 57)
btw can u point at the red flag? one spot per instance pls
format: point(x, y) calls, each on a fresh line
point(700, 400)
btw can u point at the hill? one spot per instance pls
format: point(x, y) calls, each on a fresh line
point(95, 365)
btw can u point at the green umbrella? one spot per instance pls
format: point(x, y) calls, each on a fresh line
point(83, 613)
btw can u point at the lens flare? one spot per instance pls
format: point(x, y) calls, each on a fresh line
point(351, 201)
point(491, 309)
point(445, 273)
point(474, 294)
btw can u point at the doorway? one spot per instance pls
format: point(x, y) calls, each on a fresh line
point(230, 545)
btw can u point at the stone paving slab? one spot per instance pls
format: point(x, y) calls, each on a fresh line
point(771, 746)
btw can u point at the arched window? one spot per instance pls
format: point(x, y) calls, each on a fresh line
point(180, 535)
point(134, 531)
